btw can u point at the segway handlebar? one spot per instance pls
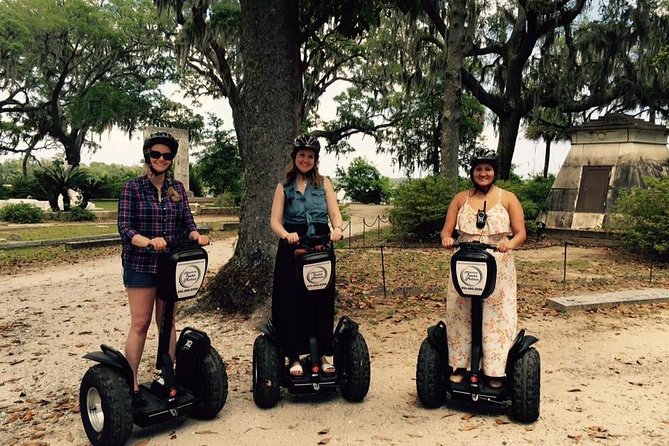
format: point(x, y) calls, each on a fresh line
point(475, 245)
point(183, 243)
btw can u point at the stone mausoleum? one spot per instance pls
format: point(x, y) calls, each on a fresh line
point(607, 155)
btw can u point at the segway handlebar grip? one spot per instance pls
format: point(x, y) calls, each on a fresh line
point(476, 245)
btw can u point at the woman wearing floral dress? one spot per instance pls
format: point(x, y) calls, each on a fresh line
point(504, 227)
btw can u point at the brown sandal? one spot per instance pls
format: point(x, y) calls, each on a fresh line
point(457, 376)
point(296, 369)
point(326, 367)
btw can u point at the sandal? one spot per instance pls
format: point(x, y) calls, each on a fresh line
point(457, 376)
point(326, 367)
point(296, 369)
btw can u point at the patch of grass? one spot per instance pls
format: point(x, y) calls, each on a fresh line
point(60, 231)
point(107, 205)
point(14, 261)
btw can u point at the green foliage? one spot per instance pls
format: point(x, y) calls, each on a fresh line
point(79, 214)
point(397, 98)
point(113, 177)
point(641, 217)
point(225, 200)
point(532, 195)
point(219, 165)
point(21, 213)
point(363, 183)
point(78, 67)
point(419, 206)
point(194, 181)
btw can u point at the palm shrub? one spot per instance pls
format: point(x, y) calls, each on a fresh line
point(641, 217)
point(56, 179)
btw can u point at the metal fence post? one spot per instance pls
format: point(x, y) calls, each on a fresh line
point(364, 226)
point(564, 267)
point(383, 272)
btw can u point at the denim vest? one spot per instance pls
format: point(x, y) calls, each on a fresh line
point(307, 208)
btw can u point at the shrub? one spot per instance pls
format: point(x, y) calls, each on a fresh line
point(363, 183)
point(532, 195)
point(225, 200)
point(79, 214)
point(21, 213)
point(419, 206)
point(641, 217)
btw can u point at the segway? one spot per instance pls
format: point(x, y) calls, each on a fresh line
point(474, 273)
point(198, 386)
point(315, 266)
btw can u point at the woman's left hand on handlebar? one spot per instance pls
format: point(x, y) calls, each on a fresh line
point(336, 235)
point(202, 240)
point(503, 246)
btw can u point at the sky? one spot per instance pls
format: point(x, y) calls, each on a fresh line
point(118, 148)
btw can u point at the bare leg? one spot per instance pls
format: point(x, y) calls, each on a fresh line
point(160, 305)
point(140, 301)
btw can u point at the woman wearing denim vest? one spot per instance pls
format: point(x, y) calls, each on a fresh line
point(301, 206)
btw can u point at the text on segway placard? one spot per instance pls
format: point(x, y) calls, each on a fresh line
point(471, 277)
point(317, 275)
point(189, 277)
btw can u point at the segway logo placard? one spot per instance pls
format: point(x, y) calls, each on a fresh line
point(189, 277)
point(316, 276)
point(471, 277)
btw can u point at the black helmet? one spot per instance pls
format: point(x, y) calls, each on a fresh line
point(159, 138)
point(482, 156)
point(305, 142)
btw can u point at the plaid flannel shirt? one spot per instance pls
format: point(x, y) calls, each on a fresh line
point(140, 212)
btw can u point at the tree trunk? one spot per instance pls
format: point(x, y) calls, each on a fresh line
point(67, 203)
point(450, 140)
point(547, 156)
point(266, 121)
point(508, 132)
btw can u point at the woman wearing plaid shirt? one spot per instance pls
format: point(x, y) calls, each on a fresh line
point(152, 210)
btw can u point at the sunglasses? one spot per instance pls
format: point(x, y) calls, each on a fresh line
point(169, 156)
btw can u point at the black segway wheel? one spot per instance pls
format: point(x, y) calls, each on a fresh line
point(357, 371)
point(431, 373)
point(267, 364)
point(212, 383)
point(105, 406)
point(525, 391)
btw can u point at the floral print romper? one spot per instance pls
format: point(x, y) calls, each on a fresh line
point(499, 310)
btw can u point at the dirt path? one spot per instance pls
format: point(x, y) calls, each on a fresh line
point(603, 375)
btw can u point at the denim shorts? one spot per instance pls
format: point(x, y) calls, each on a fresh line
point(134, 279)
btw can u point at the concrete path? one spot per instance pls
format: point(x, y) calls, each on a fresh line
point(602, 300)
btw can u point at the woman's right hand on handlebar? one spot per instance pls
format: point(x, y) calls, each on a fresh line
point(447, 242)
point(158, 244)
point(292, 238)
